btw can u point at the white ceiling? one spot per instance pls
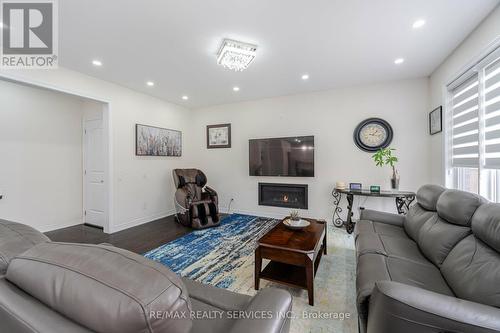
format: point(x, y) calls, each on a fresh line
point(337, 42)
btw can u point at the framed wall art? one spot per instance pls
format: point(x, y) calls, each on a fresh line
point(157, 141)
point(436, 120)
point(219, 136)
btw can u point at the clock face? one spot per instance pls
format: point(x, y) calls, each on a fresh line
point(372, 134)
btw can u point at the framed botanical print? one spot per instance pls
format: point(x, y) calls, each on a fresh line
point(219, 136)
point(436, 120)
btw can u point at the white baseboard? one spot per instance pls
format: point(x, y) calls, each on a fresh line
point(55, 226)
point(141, 220)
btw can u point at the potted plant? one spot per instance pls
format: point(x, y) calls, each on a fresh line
point(384, 156)
point(294, 215)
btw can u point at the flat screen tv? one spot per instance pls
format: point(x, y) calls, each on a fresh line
point(286, 157)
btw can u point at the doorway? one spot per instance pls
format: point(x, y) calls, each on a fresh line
point(101, 109)
point(95, 189)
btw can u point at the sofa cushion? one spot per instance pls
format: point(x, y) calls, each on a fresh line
point(415, 219)
point(128, 292)
point(486, 225)
point(22, 313)
point(428, 195)
point(397, 247)
point(369, 243)
point(458, 207)
point(372, 268)
point(437, 237)
point(15, 238)
point(366, 226)
point(418, 275)
point(472, 270)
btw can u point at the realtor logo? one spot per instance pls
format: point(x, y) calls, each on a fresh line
point(29, 34)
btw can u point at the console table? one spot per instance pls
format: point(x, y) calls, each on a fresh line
point(403, 200)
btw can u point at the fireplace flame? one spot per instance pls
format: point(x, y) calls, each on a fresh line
point(285, 198)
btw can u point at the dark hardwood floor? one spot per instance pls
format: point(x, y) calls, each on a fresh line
point(138, 239)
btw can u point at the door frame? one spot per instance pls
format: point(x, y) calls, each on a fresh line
point(107, 136)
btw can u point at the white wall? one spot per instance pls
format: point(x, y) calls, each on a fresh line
point(40, 157)
point(142, 186)
point(331, 117)
point(466, 52)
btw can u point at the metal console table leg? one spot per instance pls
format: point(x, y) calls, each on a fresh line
point(349, 225)
point(337, 219)
point(403, 204)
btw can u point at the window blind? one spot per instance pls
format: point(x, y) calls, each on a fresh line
point(465, 123)
point(492, 115)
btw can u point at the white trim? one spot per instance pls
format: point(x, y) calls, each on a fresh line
point(142, 220)
point(108, 126)
point(56, 226)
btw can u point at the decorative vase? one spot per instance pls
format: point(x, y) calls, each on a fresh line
point(395, 179)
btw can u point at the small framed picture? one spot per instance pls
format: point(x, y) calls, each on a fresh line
point(436, 120)
point(219, 136)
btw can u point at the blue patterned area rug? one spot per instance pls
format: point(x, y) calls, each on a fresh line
point(224, 257)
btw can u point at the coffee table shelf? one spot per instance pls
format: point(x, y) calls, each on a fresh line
point(294, 255)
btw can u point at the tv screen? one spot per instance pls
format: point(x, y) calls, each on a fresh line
point(287, 157)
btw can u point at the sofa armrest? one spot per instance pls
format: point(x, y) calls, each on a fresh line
point(272, 310)
point(383, 217)
point(396, 307)
point(210, 191)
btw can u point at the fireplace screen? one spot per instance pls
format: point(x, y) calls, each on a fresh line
point(283, 195)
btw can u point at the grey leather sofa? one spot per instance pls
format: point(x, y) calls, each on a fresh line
point(437, 269)
point(49, 287)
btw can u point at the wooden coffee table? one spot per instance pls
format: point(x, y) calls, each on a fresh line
point(294, 255)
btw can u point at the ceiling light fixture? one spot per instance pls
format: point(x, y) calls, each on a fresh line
point(96, 63)
point(418, 24)
point(236, 88)
point(150, 83)
point(236, 55)
point(185, 97)
point(399, 61)
point(305, 77)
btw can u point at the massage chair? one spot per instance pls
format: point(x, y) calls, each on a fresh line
point(196, 204)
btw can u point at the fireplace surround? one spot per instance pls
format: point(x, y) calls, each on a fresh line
point(283, 195)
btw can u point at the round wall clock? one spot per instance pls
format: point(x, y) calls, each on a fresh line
point(372, 134)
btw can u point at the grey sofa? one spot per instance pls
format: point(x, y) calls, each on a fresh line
point(437, 269)
point(49, 287)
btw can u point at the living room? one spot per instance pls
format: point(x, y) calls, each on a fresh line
point(285, 167)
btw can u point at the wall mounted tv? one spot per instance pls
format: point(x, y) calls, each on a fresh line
point(286, 157)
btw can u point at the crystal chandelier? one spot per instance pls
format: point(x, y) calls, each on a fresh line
point(236, 55)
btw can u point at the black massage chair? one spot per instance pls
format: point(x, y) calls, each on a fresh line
point(197, 205)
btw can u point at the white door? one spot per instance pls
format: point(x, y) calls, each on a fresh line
point(94, 175)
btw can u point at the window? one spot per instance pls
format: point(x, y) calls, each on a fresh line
point(473, 129)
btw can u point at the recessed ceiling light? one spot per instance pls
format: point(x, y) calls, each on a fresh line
point(236, 55)
point(418, 24)
point(1, 25)
point(150, 83)
point(96, 63)
point(185, 97)
point(236, 88)
point(399, 61)
point(305, 77)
